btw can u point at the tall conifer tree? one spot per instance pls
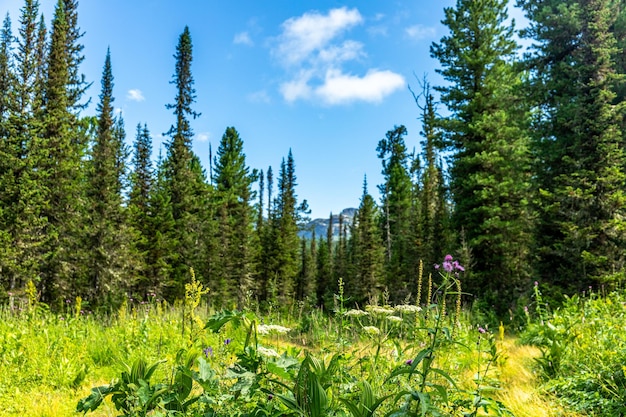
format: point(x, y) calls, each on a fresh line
point(183, 174)
point(233, 194)
point(579, 141)
point(397, 201)
point(486, 133)
point(108, 239)
point(58, 165)
point(140, 210)
point(368, 253)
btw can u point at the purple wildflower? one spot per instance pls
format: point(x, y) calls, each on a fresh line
point(408, 362)
point(227, 342)
point(481, 330)
point(458, 266)
point(448, 258)
point(447, 266)
point(437, 266)
point(207, 351)
point(536, 284)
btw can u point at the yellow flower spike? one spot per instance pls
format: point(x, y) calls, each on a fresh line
point(501, 332)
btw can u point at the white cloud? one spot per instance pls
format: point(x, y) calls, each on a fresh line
point(135, 95)
point(373, 87)
point(298, 88)
point(243, 38)
point(203, 137)
point(259, 97)
point(312, 31)
point(347, 51)
point(313, 53)
point(419, 32)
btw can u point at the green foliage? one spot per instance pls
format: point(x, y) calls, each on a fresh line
point(490, 161)
point(582, 355)
point(578, 140)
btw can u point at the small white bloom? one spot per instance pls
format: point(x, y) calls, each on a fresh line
point(394, 319)
point(270, 353)
point(371, 330)
point(380, 310)
point(407, 308)
point(272, 328)
point(355, 313)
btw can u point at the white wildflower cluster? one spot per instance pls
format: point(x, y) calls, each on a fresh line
point(267, 352)
point(394, 319)
point(379, 310)
point(356, 313)
point(272, 328)
point(407, 308)
point(371, 330)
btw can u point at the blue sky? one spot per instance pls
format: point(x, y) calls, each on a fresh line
point(326, 79)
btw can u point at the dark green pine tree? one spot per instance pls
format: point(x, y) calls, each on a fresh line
point(433, 233)
point(58, 169)
point(140, 210)
point(160, 235)
point(108, 238)
point(323, 274)
point(232, 198)
point(368, 252)
point(26, 224)
point(9, 157)
point(340, 261)
point(486, 135)
point(579, 141)
point(77, 84)
point(286, 216)
point(264, 286)
point(41, 58)
point(397, 203)
point(183, 175)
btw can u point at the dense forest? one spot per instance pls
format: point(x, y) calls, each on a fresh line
point(521, 176)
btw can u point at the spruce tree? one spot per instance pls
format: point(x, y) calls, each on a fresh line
point(397, 202)
point(9, 158)
point(140, 210)
point(233, 194)
point(108, 240)
point(486, 134)
point(286, 215)
point(58, 166)
point(183, 174)
point(579, 141)
point(367, 280)
point(432, 214)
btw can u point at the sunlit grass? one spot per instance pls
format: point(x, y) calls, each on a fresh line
point(43, 354)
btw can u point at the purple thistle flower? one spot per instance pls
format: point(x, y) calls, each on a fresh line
point(207, 351)
point(448, 258)
point(458, 266)
point(408, 362)
point(536, 284)
point(447, 266)
point(437, 266)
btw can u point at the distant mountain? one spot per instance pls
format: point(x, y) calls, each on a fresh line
point(321, 225)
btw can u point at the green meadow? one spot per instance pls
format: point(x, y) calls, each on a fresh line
point(155, 359)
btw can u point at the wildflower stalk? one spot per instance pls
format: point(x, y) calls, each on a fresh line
point(420, 275)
